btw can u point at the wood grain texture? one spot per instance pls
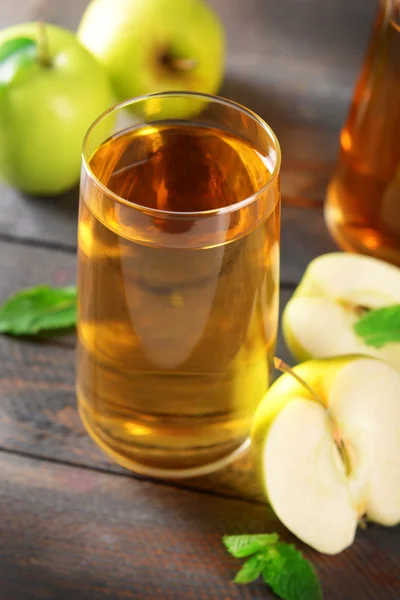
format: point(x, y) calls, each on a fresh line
point(73, 533)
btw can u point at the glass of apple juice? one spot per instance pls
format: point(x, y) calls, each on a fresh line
point(178, 280)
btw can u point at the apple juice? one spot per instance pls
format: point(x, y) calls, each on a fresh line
point(177, 309)
point(363, 200)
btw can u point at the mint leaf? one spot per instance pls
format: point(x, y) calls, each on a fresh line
point(15, 55)
point(283, 568)
point(37, 309)
point(289, 574)
point(379, 327)
point(250, 571)
point(241, 546)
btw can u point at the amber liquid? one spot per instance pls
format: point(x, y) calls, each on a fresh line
point(363, 201)
point(177, 317)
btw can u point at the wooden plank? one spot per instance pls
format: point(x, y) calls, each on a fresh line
point(81, 534)
point(75, 533)
point(38, 413)
point(51, 221)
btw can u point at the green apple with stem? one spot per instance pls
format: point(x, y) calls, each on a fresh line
point(327, 441)
point(155, 46)
point(51, 89)
point(335, 291)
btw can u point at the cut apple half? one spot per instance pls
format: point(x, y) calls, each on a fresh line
point(332, 456)
point(335, 291)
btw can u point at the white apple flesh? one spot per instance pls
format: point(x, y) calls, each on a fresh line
point(331, 458)
point(318, 320)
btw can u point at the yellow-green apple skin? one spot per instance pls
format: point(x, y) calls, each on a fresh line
point(318, 320)
point(318, 491)
point(46, 110)
point(134, 38)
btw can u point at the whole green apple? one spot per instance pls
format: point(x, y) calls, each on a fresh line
point(156, 45)
point(51, 89)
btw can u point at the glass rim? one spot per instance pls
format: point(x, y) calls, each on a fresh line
point(231, 208)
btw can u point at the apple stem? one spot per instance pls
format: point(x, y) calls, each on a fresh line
point(43, 45)
point(183, 64)
point(179, 65)
point(280, 365)
point(362, 522)
point(359, 309)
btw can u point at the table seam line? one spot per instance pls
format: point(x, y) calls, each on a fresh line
point(136, 478)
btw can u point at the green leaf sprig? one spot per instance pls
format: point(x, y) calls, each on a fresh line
point(282, 567)
point(38, 309)
point(379, 327)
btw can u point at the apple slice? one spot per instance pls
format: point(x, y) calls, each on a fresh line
point(335, 290)
point(331, 456)
point(306, 479)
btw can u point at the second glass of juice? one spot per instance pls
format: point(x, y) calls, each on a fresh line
point(178, 280)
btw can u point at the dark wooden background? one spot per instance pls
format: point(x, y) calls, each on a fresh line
point(72, 523)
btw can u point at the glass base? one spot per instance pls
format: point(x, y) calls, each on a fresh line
point(163, 473)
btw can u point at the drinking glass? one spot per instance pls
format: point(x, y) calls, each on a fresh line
point(363, 201)
point(178, 280)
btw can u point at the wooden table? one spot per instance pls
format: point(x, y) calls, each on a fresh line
point(72, 523)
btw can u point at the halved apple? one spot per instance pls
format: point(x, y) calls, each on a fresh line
point(334, 292)
point(330, 453)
